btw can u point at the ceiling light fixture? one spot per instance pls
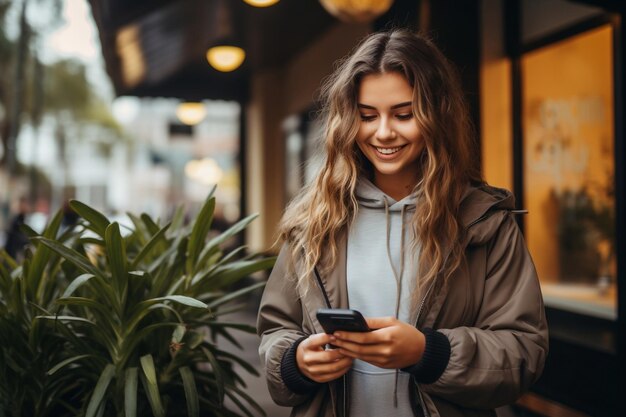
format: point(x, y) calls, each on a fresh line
point(261, 3)
point(223, 53)
point(352, 11)
point(190, 113)
point(205, 171)
point(225, 58)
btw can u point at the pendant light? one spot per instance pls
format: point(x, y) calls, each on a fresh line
point(190, 113)
point(261, 3)
point(352, 11)
point(225, 58)
point(225, 54)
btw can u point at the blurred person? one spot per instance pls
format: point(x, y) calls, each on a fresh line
point(400, 226)
point(16, 239)
point(70, 217)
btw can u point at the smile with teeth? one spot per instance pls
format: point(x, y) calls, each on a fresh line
point(388, 151)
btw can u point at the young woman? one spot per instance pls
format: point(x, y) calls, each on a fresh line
point(400, 226)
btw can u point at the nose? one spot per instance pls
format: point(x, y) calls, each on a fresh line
point(384, 130)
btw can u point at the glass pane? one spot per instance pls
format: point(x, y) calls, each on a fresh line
point(569, 171)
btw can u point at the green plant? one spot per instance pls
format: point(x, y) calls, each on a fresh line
point(129, 323)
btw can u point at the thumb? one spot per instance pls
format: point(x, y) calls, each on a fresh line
point(317, 341)
point(380, 322)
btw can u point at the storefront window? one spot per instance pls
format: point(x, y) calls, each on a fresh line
point(568, 125)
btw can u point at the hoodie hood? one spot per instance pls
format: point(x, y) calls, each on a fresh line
point(370, 196)
point(483, 209)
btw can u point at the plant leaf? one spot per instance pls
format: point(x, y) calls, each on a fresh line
point(150, 385)
point(97, 221)
point(150, 224)
point(233, 230)
point(250, 401)
point(100, 390)
point(229, 274)
point(67, 318)
point(178, 219)
point(191, 392)
point(42, 256)
point(77, 282)
point(219, 377)
point(199, 233)
point(130, 392)
point(179, 333)
point(72, 256)
point(245, 365)
point(149, 246)
point(116, 253)
point(181, 299)
point(66, 362)
point(147, 364)
point(233, 295)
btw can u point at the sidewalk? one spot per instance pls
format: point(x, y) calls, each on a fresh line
point(256, 386)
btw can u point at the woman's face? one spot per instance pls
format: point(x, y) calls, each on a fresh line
point(388, 133)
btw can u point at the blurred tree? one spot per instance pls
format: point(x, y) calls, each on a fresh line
point(29, 89)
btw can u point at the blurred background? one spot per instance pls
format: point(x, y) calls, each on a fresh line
point(140, 106)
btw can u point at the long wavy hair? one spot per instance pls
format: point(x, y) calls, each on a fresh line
point(316, 220)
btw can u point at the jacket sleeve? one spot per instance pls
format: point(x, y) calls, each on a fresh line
point(497, 360)
point(279, 325)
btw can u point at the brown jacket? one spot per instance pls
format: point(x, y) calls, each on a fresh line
point(491, 313)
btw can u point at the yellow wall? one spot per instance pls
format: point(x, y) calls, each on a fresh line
point(496, 124)
point(568, 133)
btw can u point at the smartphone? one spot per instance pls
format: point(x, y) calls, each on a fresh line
point(333, 319)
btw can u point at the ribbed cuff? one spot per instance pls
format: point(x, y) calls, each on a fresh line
point(435, 359)
point(291, 375)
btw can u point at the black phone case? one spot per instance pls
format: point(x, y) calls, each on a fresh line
point(333, 319)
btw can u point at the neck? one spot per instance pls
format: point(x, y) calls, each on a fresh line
point(394, 188)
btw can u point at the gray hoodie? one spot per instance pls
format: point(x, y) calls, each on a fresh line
point(374, 270)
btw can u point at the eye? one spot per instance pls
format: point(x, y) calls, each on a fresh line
point(404, 116)
point(367, 118)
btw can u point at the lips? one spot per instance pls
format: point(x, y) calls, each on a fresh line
point(388, 151)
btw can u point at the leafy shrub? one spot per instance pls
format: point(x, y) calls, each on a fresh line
point(99, 323)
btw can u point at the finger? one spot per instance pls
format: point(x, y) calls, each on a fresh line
point(333, 368)
point(312, 357)
point(356, 350)
point(359, 348)
point(380, 322)
point(367, 357)
point(364, 338)
point(316, 341)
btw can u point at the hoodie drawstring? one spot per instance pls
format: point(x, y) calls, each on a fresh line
point(397, 275)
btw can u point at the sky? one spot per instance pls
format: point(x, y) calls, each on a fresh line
point(78, 38)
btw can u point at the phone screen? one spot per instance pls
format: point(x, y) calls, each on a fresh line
point(347, 320)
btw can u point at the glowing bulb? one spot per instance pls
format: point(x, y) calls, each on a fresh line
point(261, 3)
point(225, 58)
point(356, 10)
point(205, 171)
point(190, 113)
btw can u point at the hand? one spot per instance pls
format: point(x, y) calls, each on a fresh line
point(393, 344)
point(318, 364)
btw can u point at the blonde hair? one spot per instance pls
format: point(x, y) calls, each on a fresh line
point(315, 220)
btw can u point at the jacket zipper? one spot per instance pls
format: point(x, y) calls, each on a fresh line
point(327, 301)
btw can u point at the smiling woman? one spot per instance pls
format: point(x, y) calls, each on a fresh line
point(400, 226)
point(388, 135)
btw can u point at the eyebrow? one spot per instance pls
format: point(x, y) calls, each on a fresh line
point(395, 106)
